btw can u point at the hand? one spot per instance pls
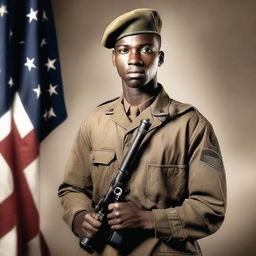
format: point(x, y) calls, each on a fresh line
point(128, 215)
point(86, 224)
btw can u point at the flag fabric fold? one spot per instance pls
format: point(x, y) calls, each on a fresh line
point(31, 106)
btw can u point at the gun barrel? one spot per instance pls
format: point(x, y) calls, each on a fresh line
point(129, 157)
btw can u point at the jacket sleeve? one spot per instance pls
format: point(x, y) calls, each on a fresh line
point(203, 211)
point(76, 190)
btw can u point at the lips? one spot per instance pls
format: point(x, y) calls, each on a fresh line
point(135, 73)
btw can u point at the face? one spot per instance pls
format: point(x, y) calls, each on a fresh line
point(137, 59)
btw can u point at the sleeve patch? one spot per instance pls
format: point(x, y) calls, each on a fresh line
point(211, 158)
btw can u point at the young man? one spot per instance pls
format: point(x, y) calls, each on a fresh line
point(177, 191)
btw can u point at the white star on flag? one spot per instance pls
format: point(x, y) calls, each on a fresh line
point(52, 90)
point(37, 91)
point(43, 42)
point(32, 15)
point(45, 115)
point(3, 10)
point(30, 63)
point(44, 16)
point(50, 64)
point(11, 83)
point(51, 113)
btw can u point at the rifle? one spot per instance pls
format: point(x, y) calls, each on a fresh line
point(115, 193)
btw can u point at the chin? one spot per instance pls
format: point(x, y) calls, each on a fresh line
point(136, 83)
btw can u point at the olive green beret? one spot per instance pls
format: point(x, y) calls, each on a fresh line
point(138, 21)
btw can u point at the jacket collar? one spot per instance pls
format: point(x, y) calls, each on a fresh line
point(161, 109)
point(117, 114)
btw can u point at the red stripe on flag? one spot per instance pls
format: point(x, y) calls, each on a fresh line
point(6, 149)
point(20, 209)
point(26, 151)
point(7, 215)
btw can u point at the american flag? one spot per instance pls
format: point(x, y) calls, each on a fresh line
point(31, 106)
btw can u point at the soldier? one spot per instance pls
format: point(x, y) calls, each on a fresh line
point(177, 190)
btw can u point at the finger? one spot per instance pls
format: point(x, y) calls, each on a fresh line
point(122, 225)
point(88, 227)
point(114, 206)
point(111, 215)
point(87, 234)
point(117, 227)
point(114, 214)
point(92, 221)
point(115, 221)
point(95, 215)
point(110, 207)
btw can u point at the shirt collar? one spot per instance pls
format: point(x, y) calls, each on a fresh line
point(141, 107)
point(160, 105)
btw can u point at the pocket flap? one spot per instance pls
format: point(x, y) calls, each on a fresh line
point(102, 156)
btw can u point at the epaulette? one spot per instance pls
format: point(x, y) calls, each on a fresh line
point(108, 101)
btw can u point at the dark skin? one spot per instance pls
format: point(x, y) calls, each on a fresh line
point(136, 59)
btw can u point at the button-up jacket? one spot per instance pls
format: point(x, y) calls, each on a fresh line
point(179, 174)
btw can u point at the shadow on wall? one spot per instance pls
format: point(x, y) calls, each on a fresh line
point(246, 246)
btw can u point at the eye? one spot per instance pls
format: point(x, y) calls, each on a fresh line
point(146, 50)
point(123, 50)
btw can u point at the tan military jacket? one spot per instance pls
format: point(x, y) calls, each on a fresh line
point(179, 175)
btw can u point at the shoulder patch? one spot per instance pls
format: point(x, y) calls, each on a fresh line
point(211, 158)
point(108, 101)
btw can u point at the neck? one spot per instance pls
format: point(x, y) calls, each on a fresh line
point(138, 95)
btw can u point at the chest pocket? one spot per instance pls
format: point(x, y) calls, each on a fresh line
point(103, 167)
point(165, 184)
point(102, 157)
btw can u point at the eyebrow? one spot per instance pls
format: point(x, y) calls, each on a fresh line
point(141, 45)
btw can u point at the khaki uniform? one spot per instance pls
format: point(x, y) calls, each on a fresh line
point(179, 175)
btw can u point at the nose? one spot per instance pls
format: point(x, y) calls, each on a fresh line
point(135, 58)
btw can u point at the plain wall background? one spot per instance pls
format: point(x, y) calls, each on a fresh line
point(210, 59)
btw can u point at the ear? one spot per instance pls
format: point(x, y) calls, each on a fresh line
point(161, 58)
point(114, 58)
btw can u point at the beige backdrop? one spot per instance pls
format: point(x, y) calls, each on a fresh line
point(210, 48)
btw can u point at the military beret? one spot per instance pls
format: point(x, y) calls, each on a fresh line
point(138, 21)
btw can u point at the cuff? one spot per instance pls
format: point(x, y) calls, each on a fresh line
point(162, 228)
point(167, 224)
point(72, 204)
